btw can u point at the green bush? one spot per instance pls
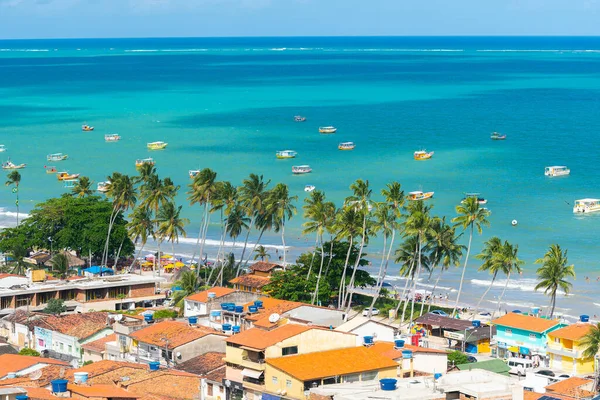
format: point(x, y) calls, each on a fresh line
point(456, 358)
point(29, 352)
point(161, 314)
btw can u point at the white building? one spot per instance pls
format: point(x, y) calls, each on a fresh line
point(363, 326)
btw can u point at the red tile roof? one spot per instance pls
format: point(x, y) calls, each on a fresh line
point(263, 266)
point(16, 363)
point(204, 364)
point(80, 326)
point(102, 391)
point(176, 333)
point(526, 322)
point(100, 344)
point(250, 280)
point(260, 339)
point(40, 394)
point(202, 297)
point(572, 332)
point(573, 387)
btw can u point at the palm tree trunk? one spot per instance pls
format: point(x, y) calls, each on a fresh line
point(222, 244)
point(485, 294)
point(110, 223)
point(316, 293)
point(415, 281)
point(17, 204)
point(412, 278)
point(435, 287)
point(503, 290)
point(131, 269)
point(351, 283)
point(462, 276)
point(198, 241)
point(283, 242)
point(553, 303)
point(117, 256)
point(343, 280)
point(403, 301)
point(330, 255)
point(206, 223)
point(313, 257)
point(246, 242)
point(379, 276)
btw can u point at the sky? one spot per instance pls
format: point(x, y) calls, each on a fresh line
point(29, 19)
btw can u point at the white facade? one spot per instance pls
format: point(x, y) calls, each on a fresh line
point(194, 308)
point(362, 326)
point(432, 363)
point(64, 344)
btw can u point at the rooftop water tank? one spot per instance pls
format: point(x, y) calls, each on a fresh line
point(215, 313)
point(154, 365)
point(226, 327)
point(535, 310)
point(212, 295)
point(80, 377)
point(398, 343)
point(224, 306)
point(437, 376)
point(406, 354)
point(388, 384)
point(258, 303)
point(21, 397)
point(11, 375)
point(148, 317)
point(368, 340)
point(476, 323)
point(516, 311)
point(231, 307)
point(584, 318)
point(236, 329)
point(59, 385)
point(193, 320)
point(252, 309)
point(239, 309)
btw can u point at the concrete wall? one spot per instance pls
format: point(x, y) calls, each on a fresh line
point(430, 362)
point(318, 315)
point(198, 347)
point(146, 289)
point(90, 355)
point(312, 341)
point(380, 332)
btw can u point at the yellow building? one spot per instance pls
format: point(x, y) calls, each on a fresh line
point(566, 352)
point(291, 377)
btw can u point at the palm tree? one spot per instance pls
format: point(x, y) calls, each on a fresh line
point(237, 221)
point(385, 220)
point(407, 256)
point(591, 345)
point(553, 274)
point(262, 253)
point(280, 204)
point(313, 207)
point(348, 225)
point(489, 256)
point(122, 191)
point(83, 187)
point(170, 224)
point(202, 189)
point(14, 178)
point(252, 193)
point(224, 199)
point(140, 227)
point(507, 257)
point(189, 284)
point(470, 216)
point(445, 250)
point(18, 253)
point(60, 264)
point(145, 171)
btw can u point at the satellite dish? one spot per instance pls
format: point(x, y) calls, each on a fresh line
point(273, 318)
point(119, 317)
point(36, 375)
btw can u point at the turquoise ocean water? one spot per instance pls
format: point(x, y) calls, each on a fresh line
point(228, 104)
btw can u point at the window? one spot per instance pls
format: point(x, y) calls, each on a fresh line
point(288, 383)
point(115, 292)
point(274, 380)
point(286, 351)
point(368, 376)
point(508, 332)
point(209, 389)
point(61, 346)
point(557, 340)
point(352, 378)
point(70, 349)
point(532, 336)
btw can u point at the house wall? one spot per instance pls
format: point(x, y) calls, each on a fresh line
point(313, 340)
point(380, 332)
point(199, 347)
point(20, 337)
point(218, 390)
point(430, 362)
point(146, 289)
point(91, 355)
point(522, 338)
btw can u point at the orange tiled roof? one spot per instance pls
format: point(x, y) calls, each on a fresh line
point(263, 266)
point(40, 394)
point(387, 349)
point(102, 391)
point(202, 297)
point(572, 387)
point(271, 306)
point(103, 366)
point(260, 339)
point(2, 276)
point(177, 333)
point(324, 364)
point(49, 373)
point(16, 363)
point(100, 344)
point(203, 364)
point(251, 280)
point(80, 326)
point(572, 332)
point(526, 322)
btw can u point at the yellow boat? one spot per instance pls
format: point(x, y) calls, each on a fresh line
point(423, 155)
point(87, 128)
point(139, 163)
point(156, 145)
point(65, 176)
point(418, 195)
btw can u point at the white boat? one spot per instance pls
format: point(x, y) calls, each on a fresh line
point(419, 195)
point(422, 155)
point(112, 137)
point(346, 146)
point(327, 129)
point(309, 188)
point(56, 157)
point(102, 187)
point(480, 199)
point(301, 169)
point(10, 165)
point(2, 148)
point(586, 206)
point(282, 154)
point(156, 145)
point(193, 172)
point(557, 170)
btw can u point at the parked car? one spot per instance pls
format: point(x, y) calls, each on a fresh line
point(439, 312)
point(565, 376)
point(471, 359)
point(520, 365)
point(374, 311)
point(545, 372)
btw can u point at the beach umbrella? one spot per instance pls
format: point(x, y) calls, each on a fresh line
point(179, 264)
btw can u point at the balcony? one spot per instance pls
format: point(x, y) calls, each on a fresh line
point(254, 363)
point(556, 348)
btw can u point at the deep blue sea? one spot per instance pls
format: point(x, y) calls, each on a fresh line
point(228, 104)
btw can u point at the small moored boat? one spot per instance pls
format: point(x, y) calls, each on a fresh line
point(309, 188)
point(477, 196)
point(87, 128)
point(327, 129)
point(418, 195)
point(50, 169)
point(497, 136)
point(112, 137)
point(65, 176)
point(10, 165)
point(299, 118)
point(2, 148)
point(557, 170)
point(140, 162)
point(102, 187)
point(156, 145)
point(586, 206)
point(301, 169)
point(346, 146)
point(423, 155)
point(283, 154)
point(193, 172)
point(56, 157)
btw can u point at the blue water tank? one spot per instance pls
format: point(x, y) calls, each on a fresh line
point(59, 385)
point(226, 327)
point(224, 306)
point(399, 343)
point(258, 303)
point(154, 365)
point(535, 310)
point(407, 354)
point(517, 311)
point(193, 320)
point(21, 397)
point(215, 313)
point(231, 307)
point(476, 323)
point(368, 339)
point(584, 318)
point(437, 376)
point(236, 329)
point(148, 317)
point(252, 309)
point(239, 309)
point(388, 384)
